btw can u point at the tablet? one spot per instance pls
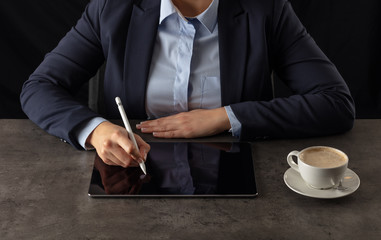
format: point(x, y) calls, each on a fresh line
point(181, 169)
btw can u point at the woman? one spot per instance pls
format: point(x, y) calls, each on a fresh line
point(193, 68)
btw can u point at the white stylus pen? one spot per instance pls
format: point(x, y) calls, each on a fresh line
point(129, 130)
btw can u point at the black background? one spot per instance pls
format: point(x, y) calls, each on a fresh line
point(348, 31)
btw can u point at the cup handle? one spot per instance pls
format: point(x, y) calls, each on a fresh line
point(291, 161)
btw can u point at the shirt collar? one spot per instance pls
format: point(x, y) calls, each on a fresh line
point(208, 18)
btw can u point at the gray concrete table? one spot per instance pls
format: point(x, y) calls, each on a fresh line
point(44, 183)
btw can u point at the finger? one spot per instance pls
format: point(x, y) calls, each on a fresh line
point(113, 154)
point(145, 124)
point(143, 147)
point(127, 145)
point(126, 159)
point(155, 128)
point(111, 160)
point(169, 134)
point(136, 156)
point(158, 125)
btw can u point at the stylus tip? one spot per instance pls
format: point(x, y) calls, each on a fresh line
point(143, 167)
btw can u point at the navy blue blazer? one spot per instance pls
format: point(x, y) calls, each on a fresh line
point(256, 37)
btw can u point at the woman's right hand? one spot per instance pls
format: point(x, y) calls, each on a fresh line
point(114, 147)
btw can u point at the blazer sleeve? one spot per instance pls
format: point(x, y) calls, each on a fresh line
point(321, 103)
point(47, 96)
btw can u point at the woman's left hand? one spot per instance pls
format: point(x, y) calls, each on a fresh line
point(192, 124)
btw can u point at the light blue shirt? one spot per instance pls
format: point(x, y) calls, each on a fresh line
point(185, 71)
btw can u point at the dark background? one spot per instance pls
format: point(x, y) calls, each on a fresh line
point(348, 31)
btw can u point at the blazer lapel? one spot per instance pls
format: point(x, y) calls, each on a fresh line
point(139, 48)
point(232, 30)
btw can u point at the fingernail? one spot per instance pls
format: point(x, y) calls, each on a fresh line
point(138, 126)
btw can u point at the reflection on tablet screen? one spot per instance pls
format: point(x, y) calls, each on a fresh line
point(181, 169)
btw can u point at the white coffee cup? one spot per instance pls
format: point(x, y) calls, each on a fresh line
point(321, 167)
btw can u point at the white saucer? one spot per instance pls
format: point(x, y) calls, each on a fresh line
point(294, 181)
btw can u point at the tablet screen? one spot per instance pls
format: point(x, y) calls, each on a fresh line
point(181, 169)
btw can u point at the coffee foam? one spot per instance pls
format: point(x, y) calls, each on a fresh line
point(323, 157)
